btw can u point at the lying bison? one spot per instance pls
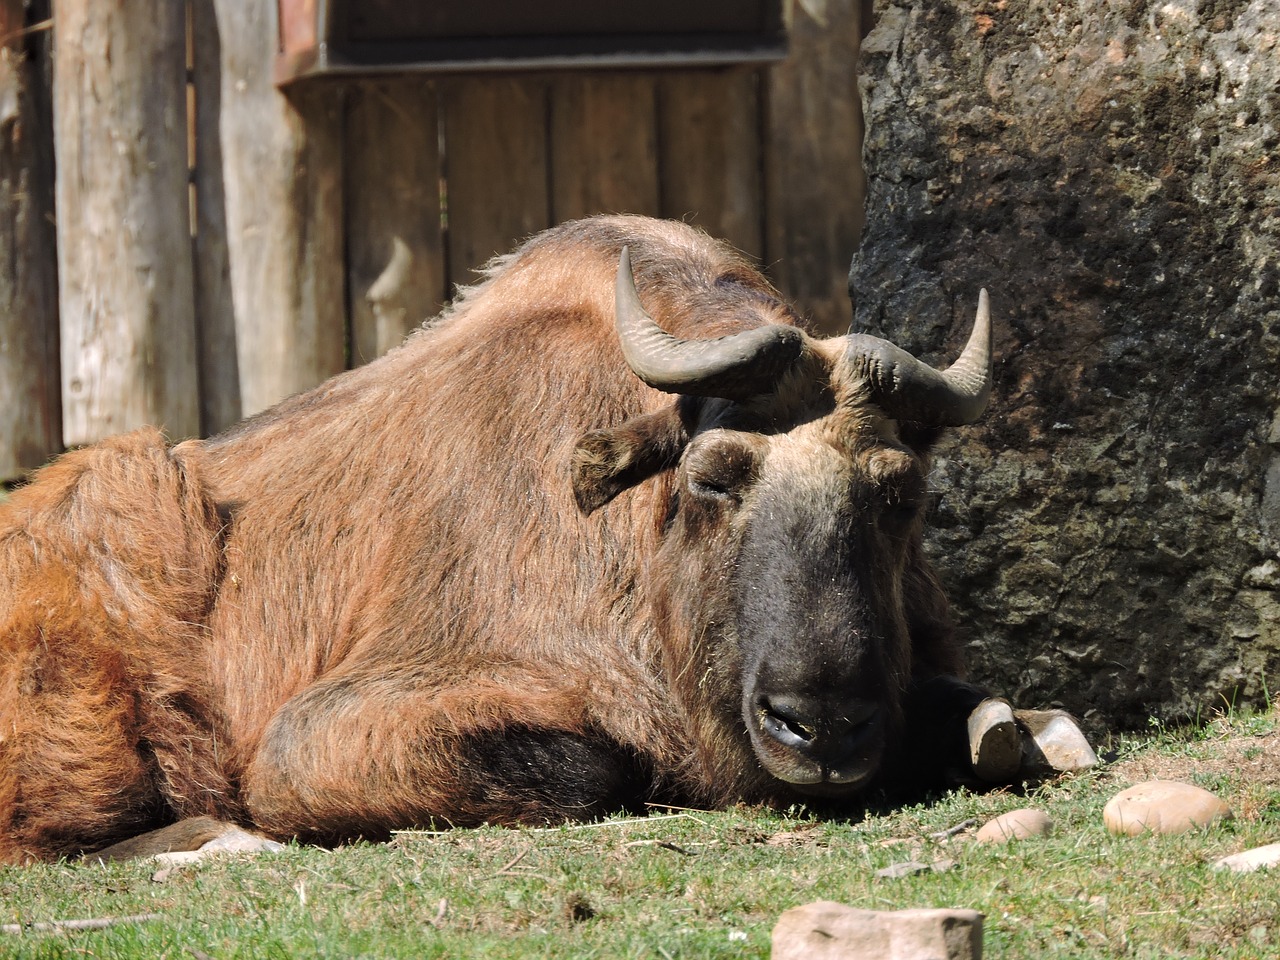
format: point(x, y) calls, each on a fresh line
point(547, 560)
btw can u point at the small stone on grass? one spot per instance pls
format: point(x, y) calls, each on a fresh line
point(1163, 806)
point(1022, 824)
point(1247, 861)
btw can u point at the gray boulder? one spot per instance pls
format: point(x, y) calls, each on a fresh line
point(1111, 173)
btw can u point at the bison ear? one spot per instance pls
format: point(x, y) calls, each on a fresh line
point(606, 462)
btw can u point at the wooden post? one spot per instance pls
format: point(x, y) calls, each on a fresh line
point(282, 209)
point(124, 238)
point(395, 250)
point(30, 428)
point(813, 159)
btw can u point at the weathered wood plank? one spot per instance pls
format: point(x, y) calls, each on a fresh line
point(710, 162)
point(124, 264)
point(495, 136)
point(215, 314)
point(30, 392)
point(395, 246)
point(815, 186)
point(604, 151)
point(282, 190)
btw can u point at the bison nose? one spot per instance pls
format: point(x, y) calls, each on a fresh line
point(832, 735)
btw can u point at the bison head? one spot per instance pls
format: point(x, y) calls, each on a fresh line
point(788, 586)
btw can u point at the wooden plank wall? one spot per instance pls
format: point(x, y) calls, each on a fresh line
point(331, 220)
point(525, 152)
point(30, 403)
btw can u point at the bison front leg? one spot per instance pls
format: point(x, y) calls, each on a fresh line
point(196, 837)
point(959, 735)
point(362, 755)
point(937, 750)
point(1052, 743)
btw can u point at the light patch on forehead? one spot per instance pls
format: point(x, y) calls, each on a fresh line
point(817, 414)
point(805, 483)
point(819, 461)
point(804, 463)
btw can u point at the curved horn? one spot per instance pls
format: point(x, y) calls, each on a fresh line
point(735, 367)
point(910, 390)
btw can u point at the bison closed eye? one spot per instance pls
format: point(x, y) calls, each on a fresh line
point(614, 530)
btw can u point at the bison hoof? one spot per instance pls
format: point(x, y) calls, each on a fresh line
point(995, 743)
point(1007, 745)
point(1054, 743)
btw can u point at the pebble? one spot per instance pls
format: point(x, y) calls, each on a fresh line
point(1163, 806)
point(833, 931)
point(1021, 824)
point(1259, 858)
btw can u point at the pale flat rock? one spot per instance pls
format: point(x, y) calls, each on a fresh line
point(1022, 824)
point(1247, 861)
point(1163, 806)
point(833, 931)
point(174, 858)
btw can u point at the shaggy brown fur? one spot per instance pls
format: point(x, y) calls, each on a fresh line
point(377, 605)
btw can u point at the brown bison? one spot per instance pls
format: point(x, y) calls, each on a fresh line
point(500, 575)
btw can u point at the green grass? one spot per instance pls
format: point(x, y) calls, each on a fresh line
point(702, 885)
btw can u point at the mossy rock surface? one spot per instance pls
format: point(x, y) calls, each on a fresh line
point(1109, 532)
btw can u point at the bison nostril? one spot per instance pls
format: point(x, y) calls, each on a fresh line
point(817, 728)
point(786, 723)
